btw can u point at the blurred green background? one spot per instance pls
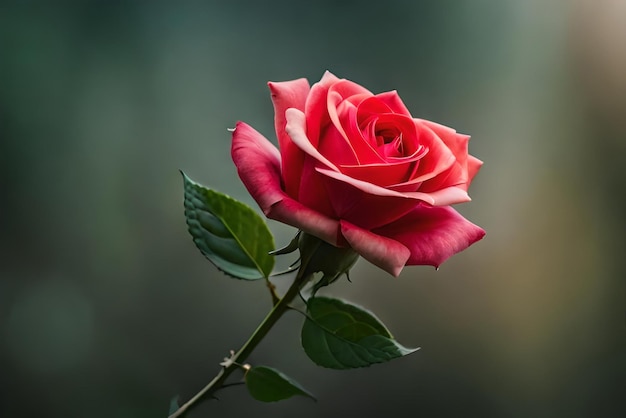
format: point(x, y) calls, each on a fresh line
point(108, 310)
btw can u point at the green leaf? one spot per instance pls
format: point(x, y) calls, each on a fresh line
point(340, 335)
point(229, 233)
point(269, 385)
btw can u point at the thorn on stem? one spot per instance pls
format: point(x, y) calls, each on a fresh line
point(228, 361)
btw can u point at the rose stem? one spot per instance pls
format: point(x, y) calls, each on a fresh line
point(240, 356)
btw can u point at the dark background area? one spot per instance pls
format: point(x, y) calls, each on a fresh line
point(108, 310)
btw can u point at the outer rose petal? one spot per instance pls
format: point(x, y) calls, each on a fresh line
point(285, 95)
point(458, 144)
point(432, 234)
point(293, 213)
point(258, 165)
point(383, 252)
point(473, 165)
point(439, 157)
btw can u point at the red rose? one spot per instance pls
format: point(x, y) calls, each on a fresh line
point(356, 169)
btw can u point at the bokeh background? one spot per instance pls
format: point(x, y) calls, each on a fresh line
point(108, 310)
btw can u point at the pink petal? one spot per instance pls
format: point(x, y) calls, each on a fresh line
point(334, 100)
point(444, 132)
point(410, 140)
point(385, 253)
point(313, 192)
point(432, 234)
point(371, 188)
point(285, 95)
point(456, 142)
point(449, 196)
point(455, 176)
point(364, 152)
point(385, 174)
point(439, 157)
point(465, 167)
point(338, 93)
point(371, 106)
point(316, 106)
point(362, 208)
point(444, 197)
point(473, 165)
point(258, 165)
point(392, 99)
point(293, 213)
point(296, 129)
point(336, 146)
point(346, 88)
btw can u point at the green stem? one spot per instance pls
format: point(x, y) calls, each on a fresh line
point(240, 356)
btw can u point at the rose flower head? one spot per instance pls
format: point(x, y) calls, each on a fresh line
point(356, 170)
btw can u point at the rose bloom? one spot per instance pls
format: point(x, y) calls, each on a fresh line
point(357, 170)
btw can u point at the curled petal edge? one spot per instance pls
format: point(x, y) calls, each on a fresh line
point(258, 165)
point(285, 95)
point(293, 213)
point(432, 234)
point(296, 128)
point(386, 253)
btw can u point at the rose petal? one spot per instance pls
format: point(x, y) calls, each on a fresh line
point(385, 253)
point(285, 95)
point(334, 145)
point(293, 213)
point(467, 166)
point(439, 157)
point(455, 176)
point(258, 165)
point(316, 106)
point(444, 197)
point(432, 234)
point(392, 99)
point(313, 192)
point(373, 189)
point(357, 206)
point(337, 93)
point(473, 165)
point(296, 129)
point(346, 89)
point(458, 144)
point(372, 106)
point(411, 142)
point(364, 151)
point(443, 131)
point(449, 196)
point(385, 174)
